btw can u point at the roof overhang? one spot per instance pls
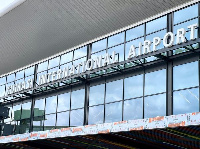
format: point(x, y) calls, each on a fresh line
point(36, 30)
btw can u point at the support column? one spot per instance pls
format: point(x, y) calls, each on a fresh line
point(33, 99)
point(169, 83)
point(87, 89)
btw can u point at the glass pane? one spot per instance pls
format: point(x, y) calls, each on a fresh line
point(66, 57)
point(42, 66)
point(157, 24)
point(157, 34)
point(63, 102)
point(96, 114)
point(96, 94)
point(38, 123)
point(185, 75)
point(39, 107)
point(19, 74)
point(29, 71)
point(26, 110)
point(116, 39)
point(10, 77)
point(2, 90)
point(76, 117)
point(77, 99)
point(17, 112)
point(185, 26)
point(99, 45)
point(62, 120)
point(49, 122)
point(134, 43)
point(9, 114)
point(155, 82)
point(114, 91)
point(155, 106)
point(80, 52)
point(133, 87)
point(135, 32)
point(54, 62)
point(186, 101)
point(2, 80)
point(189, 12)
point(51, 103)
point(118, 50)
point(133, 109)
point(113, 112)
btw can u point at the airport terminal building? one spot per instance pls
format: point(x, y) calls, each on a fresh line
point(140, 77)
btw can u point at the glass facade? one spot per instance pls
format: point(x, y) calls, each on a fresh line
point(134, 90)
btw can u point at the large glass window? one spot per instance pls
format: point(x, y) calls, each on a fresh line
point(133, 87)
point(116, 39)
point(133, 109)
point(135, 32)
point(96, 95)
point(62, 120)
point(185, 76)
point(51, 104)
point(77, 99)
point(96, 114)
point(186, 88)
point(99, 45)
point(113, 112)
point(155, 82)
point(155, 106)
point(76, 117)
point(63, 102)
point(114, 91)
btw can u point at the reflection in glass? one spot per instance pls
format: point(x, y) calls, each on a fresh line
point(96, 95)
point(54, 62)
point(42, 66)
point(133, 87)
point(133, 109)
point(80, 52)
point(118, 50)
point(135, 32)
point(114, 91)
point(9, 115)
point(66, 57)
point(77, 99)
point(155, 82)
point(116, 39)
point(99, 45)
point(62, 120)
point(51, 103)
point(185, 75)
point(38, 123)
point(39, 108)
point(49, 122)
point(63, 102)
point(113, 112)
point(189, 12)
point(19, 74)
point(2, 80)
point(96, 114)
point(156, 24)
point(185, 26)
point(186, 101)
point(135, 43)
point(2, 90)
point(155, 106)
point(16, 111)
point(26, 110)
point(160, 34)
point(76, 117)
point(10, 77)
point(29, 71)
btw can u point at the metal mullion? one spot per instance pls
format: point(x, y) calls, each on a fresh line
point(185, 88)
point(198, 36)
point(56, 112)
point(186, 21)
point(70, 105)
point(143, 90)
